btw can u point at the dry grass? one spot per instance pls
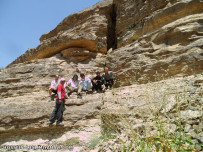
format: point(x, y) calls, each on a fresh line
point(163, 137)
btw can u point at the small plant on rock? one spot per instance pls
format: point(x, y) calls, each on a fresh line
point(71, 141)
point(1, 69)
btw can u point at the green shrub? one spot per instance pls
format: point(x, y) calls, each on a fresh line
point(105, 137)
point(178, 141)
point(71, 141)
point(94, 141)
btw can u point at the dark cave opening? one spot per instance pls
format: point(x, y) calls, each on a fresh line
point(111, 35)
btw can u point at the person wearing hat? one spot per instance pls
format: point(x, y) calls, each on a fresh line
point(97, 82)
point(59, 106)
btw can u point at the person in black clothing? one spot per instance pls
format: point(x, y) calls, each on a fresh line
point(97, 82)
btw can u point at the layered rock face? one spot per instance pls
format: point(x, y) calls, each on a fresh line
point(25, 109)
point(36, 75)
point(136, 19)
point(157, 40)
point(158, 59)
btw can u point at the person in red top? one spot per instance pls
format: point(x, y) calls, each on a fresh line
point(60, 103)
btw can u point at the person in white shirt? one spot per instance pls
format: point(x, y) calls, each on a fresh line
point(73, 84)
point(85, 83)
point(53, 87)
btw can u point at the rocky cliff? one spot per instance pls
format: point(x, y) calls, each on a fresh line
point(157, 40)
point(86, 29)
point(155, 48)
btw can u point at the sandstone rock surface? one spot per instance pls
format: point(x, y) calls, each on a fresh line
point(86, 29)
point(158, 40)
point(155, 48)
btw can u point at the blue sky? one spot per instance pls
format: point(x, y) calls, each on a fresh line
point(22, 22)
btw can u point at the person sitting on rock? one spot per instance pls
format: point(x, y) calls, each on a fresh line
point(59, 106)
point(73, 84)
point(53, 87)
point(108, 78)
point(85, 83)
point(97, 82)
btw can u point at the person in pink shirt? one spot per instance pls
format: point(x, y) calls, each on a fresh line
point(60, 103)
point(53, 87)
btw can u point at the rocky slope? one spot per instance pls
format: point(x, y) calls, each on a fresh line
point(157, 40)
point(25, 109)
point(155, 48)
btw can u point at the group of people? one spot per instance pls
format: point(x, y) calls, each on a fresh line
point(64, 89)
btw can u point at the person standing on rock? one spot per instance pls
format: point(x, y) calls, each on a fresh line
point(59, 106)
point(97, 82)
point(53, 87)
point(108, 78)
point(85, 83)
